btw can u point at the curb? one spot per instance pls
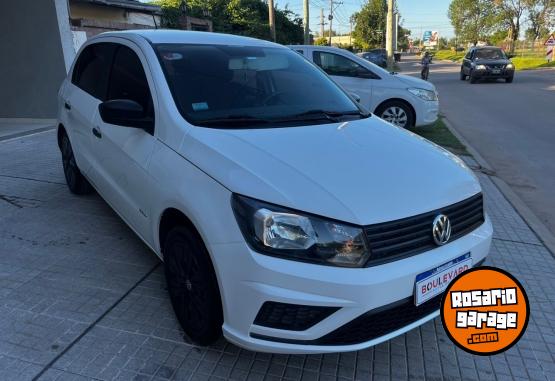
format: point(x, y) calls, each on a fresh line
point(18, 135)
point(533, 222)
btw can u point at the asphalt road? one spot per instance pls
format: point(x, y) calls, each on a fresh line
point(511, 125)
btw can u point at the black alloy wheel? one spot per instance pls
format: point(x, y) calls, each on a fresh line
point(192, 286)
point(75, 180)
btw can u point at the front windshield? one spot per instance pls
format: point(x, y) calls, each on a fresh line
point(248, 86)
point(490, 54)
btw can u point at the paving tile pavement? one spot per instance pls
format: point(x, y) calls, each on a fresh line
point(81, 298)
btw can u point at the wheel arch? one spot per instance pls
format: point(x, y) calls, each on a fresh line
point(61, 132)
point(170, 218)
point(404, 101)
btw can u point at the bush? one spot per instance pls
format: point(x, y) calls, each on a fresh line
point(322, 41)
point(448, 55)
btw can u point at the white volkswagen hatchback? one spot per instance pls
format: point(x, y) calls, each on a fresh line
point(287, 216)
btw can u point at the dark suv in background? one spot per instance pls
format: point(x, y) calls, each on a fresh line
point(376, 56)
point(486, 62)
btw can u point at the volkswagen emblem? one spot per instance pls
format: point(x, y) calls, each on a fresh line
point(441, 230)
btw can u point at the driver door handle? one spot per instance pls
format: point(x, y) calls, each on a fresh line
point(96, 132)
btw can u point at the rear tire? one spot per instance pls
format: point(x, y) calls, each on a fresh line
point(75, 180)
point(397, 113)
point(192, 286)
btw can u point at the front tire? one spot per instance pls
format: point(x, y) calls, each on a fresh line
point(192, 286)
point(75, 180)
point(509, 80)
point(462, 76)
point(472, 78)
point(397, 113)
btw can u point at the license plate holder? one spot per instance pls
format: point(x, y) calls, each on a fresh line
point(434, 281)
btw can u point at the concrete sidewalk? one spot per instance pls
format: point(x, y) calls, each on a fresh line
point(82, 298)
point(10, 129)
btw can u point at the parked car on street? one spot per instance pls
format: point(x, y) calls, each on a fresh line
point(287, 216)
point(376, 56)
point(399, 99)
point(486, 62)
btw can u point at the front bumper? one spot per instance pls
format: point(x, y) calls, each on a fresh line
point(251, 279)
point(427, 112)
point(489, 74)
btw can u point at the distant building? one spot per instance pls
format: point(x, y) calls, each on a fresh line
point(97, 16)
point(341, 40)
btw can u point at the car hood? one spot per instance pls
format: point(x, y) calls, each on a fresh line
point(415, 82)
point(492, 62)
point(365, 171)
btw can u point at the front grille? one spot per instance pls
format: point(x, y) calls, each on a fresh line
point(397, 239)
point(499, 67)
point(292, 317)
point(380, 322)
point(371, 325)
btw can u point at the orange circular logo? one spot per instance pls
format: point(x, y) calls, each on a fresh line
point(485, 310)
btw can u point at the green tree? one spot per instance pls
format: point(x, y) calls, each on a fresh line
point(442, 43)
point(242, 17)
point(498, 37)
point(370, 24)
point(510, 13)
point(541, 17)
point(473, 20)
point(322, 41)
point(402, 38)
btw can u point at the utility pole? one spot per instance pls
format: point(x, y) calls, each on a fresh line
point(395, 30)
point(389, 33)
point(351, 31)
point(306, 22)
point(333, 6)
point(272, 18)
point(322, 23)
point(330, 17)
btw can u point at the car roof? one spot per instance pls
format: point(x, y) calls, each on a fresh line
point(485, 47)
point(169, 36)
point(319, 47)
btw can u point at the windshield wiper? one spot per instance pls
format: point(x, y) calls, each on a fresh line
point(318, 114)
point(232, 120)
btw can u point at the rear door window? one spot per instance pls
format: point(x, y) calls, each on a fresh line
point(92, 69)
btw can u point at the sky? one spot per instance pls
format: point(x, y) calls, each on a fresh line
point(416, 15)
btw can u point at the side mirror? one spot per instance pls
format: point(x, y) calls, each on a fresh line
point(125, 112)
point(355, 96)
point(511, 55)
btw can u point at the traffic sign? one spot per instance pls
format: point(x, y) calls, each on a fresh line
point(550, 41)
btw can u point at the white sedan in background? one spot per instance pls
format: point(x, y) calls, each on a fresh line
point(399, 99)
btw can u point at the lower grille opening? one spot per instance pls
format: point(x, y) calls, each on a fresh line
point(291, 317)
point(372, 324)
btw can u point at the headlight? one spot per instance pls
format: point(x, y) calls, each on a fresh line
point(427, 95)
point(510, 66)
point(480, 67)
point(281, 232)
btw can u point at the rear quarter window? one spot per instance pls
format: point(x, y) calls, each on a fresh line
point(92, 69)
